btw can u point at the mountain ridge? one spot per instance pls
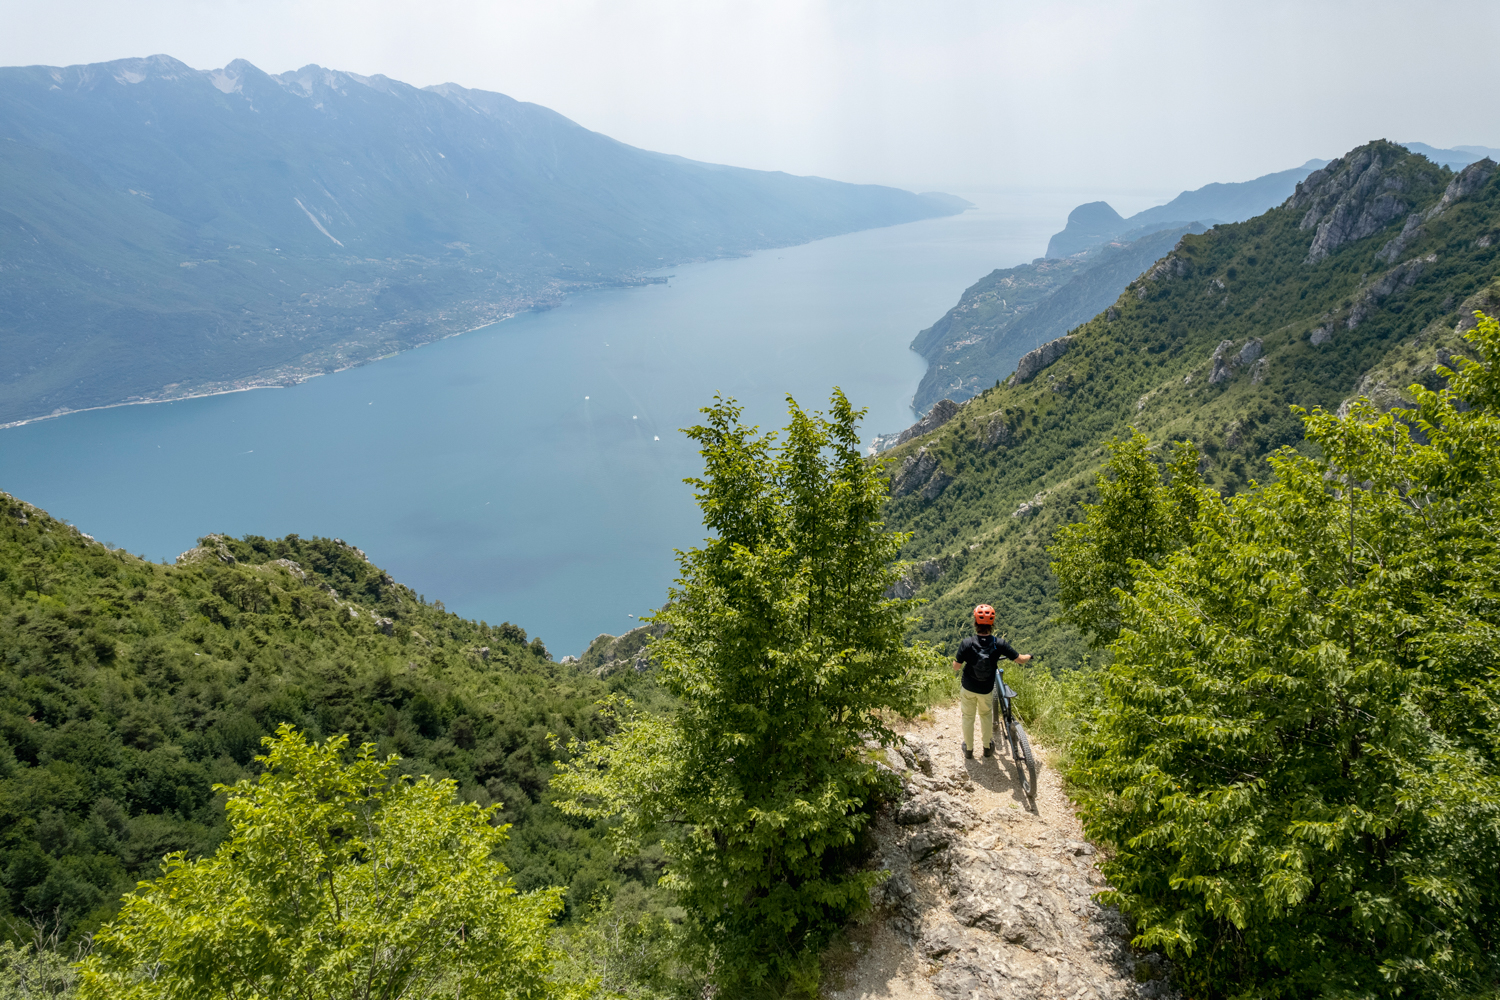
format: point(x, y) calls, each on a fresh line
point(1214, 343)
point(1233, 201)
point(168, 231)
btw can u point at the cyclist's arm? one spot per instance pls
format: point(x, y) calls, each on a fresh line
point(1007, 651)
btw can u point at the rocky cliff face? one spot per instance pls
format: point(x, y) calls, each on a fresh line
point(609, 653)
point(920, 474)
point(942, 411)
point(1360, 194)
point(1034, 361)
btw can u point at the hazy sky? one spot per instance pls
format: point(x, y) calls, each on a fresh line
point(1145, 96)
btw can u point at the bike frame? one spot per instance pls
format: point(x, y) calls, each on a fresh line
point(1001, 711)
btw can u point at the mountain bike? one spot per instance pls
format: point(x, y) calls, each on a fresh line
point(1007, 725)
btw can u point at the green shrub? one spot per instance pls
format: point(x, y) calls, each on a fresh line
point(1297, 754)
point(337, 880)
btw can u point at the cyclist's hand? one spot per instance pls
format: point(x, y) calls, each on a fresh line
point(1024, 658)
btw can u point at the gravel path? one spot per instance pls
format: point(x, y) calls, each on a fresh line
point(987, 898)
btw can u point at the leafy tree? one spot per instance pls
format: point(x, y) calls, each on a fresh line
point(1297, 761)
point(783, 652)
point(1138, 517)
point(337, 880)
point(37, 967)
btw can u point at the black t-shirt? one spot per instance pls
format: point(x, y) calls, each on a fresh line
point(980, 655)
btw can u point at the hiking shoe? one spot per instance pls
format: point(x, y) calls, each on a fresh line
point(989, 751)
point(968, 753)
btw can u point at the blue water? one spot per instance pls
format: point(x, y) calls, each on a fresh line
point(532, 471)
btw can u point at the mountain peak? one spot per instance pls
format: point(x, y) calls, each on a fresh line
point(1361, 193)
point(1088, 225)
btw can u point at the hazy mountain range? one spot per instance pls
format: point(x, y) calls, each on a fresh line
point(1095, 223)
point(166, 231)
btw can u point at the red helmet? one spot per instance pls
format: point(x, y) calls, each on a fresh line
point(984, 615)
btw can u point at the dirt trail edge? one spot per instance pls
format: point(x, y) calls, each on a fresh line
point(987, 900)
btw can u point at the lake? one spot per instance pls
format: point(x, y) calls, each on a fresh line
point(532, 471)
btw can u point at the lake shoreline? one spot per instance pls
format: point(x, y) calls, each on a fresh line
point(285, 381)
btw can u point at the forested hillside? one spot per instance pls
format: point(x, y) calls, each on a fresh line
point(1358, 284)
point(128, 689)
point(1009, 312)
point(1014, 310)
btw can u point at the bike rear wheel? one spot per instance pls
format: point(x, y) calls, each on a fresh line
point(1025, 763)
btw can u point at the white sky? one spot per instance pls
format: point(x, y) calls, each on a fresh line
point(937, 94)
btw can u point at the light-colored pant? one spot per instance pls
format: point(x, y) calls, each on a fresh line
point(971, 703)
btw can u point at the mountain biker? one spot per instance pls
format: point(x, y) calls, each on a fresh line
point(978, 658)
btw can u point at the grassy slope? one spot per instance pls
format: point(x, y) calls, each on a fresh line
point(127, 689)
point(1150, 368)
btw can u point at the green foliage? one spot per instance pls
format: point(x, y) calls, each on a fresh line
point(37, 967)
point(783, 653)
point(1138, 517)
point(625, 946)
point(1297, 755)
point(1147, 364)
point(128, 689)
point(338, 880)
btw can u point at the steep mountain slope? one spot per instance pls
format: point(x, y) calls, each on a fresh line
point(166, 231)
point(127, 689)
point(1012, 311)
point(1357, 284)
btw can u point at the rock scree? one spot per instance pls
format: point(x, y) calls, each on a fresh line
point(988, 898)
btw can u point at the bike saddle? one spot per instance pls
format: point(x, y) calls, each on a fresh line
point(1007, 691)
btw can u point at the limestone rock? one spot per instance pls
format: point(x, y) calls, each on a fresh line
point(631, 651)
point(997, 432)
point(998, 907)
point(919, 473)
point(291, 567)
point(915, 577)
point(1170, 266)
point(208, 549)
point(1035, 361)
point(1397, 279)
point(1410, 233)
point(1225, 360)
point(935, 485)
point(386, 625)
point(1030, 507)
point(1350, 199)
point(1221, 364)
point(942, 411)
point(1469, 180)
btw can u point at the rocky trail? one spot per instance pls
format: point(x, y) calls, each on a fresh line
point(987, 898)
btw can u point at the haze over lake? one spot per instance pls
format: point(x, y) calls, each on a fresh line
point(531, 471)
